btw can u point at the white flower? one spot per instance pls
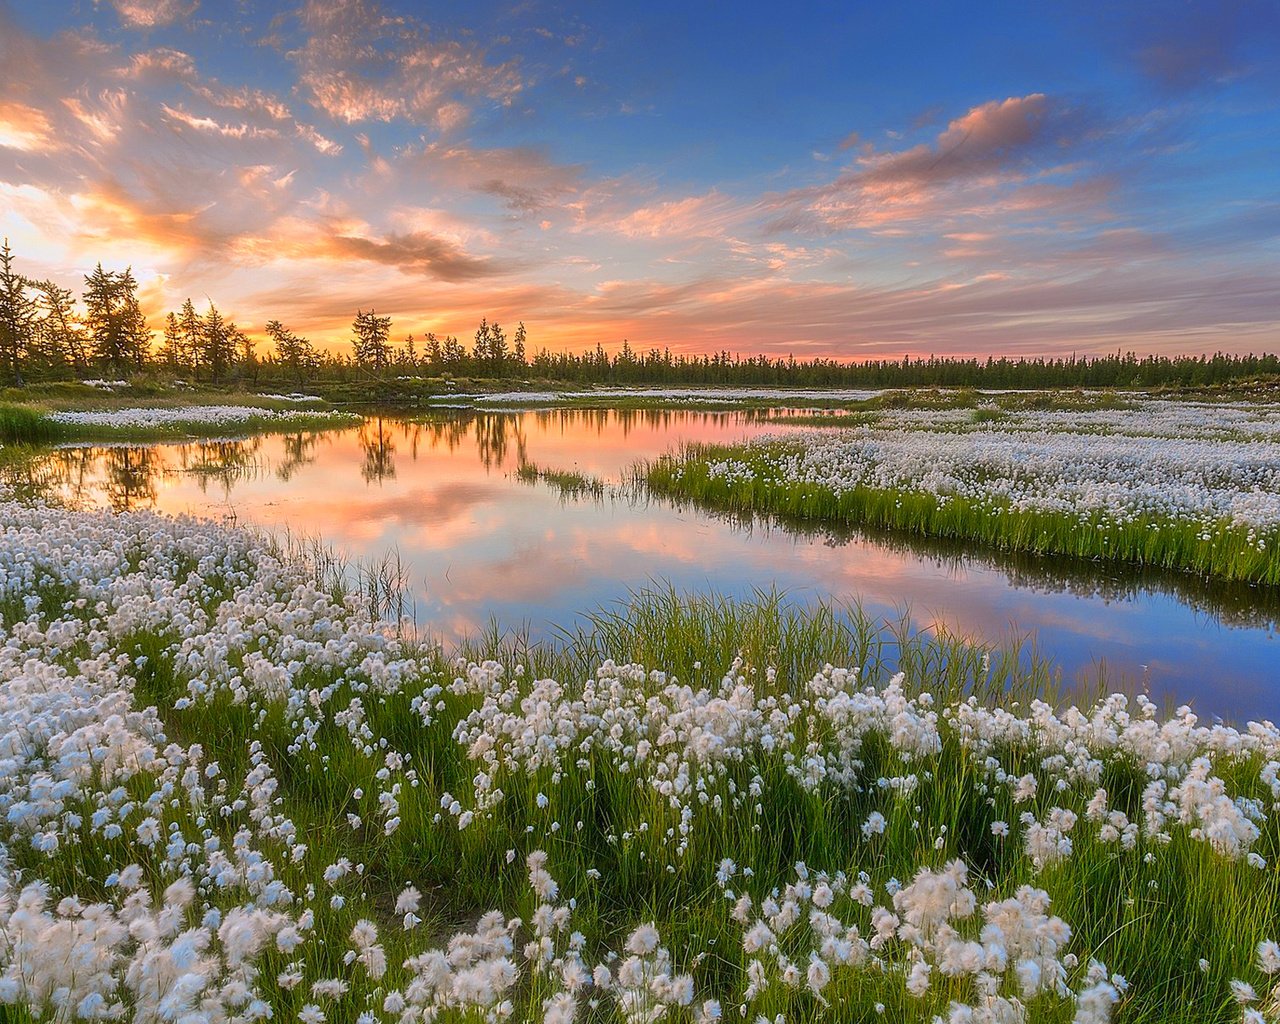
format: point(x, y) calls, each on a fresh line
point(408, 901)
point(1243, 991)
point(643, 940)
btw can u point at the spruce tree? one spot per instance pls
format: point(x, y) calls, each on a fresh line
point(372, 340)
point(192, 337)
point(17, 316)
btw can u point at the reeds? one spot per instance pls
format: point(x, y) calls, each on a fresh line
point(569, 482)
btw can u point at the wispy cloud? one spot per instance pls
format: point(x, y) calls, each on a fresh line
point(25, 128)
point(361, 63)
point(153, 13)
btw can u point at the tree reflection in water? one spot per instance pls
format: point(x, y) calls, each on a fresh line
point(298, 450)
point(379, 451)
point(225, 462)
point(129, 478)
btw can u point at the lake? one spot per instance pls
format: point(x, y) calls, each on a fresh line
point(479, 545)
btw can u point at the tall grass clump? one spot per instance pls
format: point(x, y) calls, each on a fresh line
point(569, 482)
point(231, 793)
point(23, 425)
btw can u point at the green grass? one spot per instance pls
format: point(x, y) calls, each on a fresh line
point(22, 425)
point(1226, 552)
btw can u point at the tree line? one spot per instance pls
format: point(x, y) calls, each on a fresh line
point(44, 335)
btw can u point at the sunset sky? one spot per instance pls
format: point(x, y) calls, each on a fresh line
point(836, 179)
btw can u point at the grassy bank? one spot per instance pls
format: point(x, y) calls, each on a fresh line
point(153, 394)
point(734, 829)
point(22, 425)
point(1171, 485)
point(25, 425)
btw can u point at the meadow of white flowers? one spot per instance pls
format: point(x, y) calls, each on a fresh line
point(197, 416)
point(229, 794)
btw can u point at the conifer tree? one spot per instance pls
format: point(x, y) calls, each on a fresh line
point(171, 347)
point(60, 334)
point(136, 334)
point(192, 337)
point(17, 316)
point(216, 348)
point(480, 349)
point(518, 344)
point(291, 350)
point(104, 318)
point(372, 340)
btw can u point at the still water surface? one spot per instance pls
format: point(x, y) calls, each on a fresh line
point(480, 545)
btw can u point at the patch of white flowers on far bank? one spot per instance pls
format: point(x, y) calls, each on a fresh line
point(193, 415)
point(693, 395)
point(1199, 463)
point(292, 396)
point(165, 682)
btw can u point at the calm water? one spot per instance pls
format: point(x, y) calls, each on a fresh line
point(481, 545)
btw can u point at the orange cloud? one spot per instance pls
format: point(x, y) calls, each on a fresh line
point(987, 138)
point(25, 128)
point(694, 215)
point(160, 63)
point(986, 161)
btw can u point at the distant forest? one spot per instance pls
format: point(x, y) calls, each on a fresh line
point(43, 336)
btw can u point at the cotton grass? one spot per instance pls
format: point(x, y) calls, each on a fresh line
point(1179, 485)
point(229, 792)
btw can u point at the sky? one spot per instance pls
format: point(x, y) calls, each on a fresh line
point(846, 180)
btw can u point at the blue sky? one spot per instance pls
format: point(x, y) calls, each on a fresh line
point(843, 180)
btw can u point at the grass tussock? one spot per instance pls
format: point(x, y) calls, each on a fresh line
point(569, 482)
point(22, 425)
